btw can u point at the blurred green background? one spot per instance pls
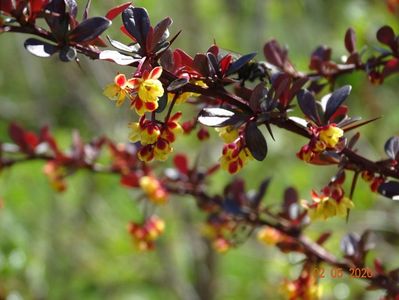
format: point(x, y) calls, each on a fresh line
point(74, 245)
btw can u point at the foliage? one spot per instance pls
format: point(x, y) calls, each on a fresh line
point(237, 96)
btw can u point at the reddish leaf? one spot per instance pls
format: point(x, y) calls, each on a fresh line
point(45, 136)
point(274, 53)
point(27, 141)
point(181, 163)
point(6, 6)
point(323, 238)
point(392, 66)
point(36, 6)
point(123, 29)
point(181, 58)
point(130, 180)
point(225, 63)
point(115, 11)
point(31, 140)
point(17, 134)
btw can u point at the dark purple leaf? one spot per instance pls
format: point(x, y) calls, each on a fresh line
point(281, 86)
point(215, 117)
point(392, 147)
point(201, 64)
point(350, 40)
point(349, 244)
point(123, 47)
point(389, 189)
point(307, 104)
point(386, 35)
point(40, 48)
point(162, 102)
point(213, 64)
point(353, 123)
point(89, 29)
point(177, 84)
point(258, 93)
point(274, 53)
point(290, 205)
point(56, 18)
point(117, 57)
point(137, 23)
point(162, 47)
point(335, 101)
point(255, 141)
point(161, 31)
point(260, 193)
point(167, 60)
point(239, 63)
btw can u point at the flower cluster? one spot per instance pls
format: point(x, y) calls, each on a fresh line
point(145, 234)
point(270, 236)
point(143, 92)
point(218, 228)
point(323, 138)
point(305, 287)
point(155, 138)
point(329, 203)
point(153, 189)
point(234, 156)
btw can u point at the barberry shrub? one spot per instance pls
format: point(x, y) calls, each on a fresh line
point(223, 129)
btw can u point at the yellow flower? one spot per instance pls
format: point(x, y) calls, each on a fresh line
point(119, 90)
point(149, 89)
point(269, 236)
point(330, 135)
point(221, 245)
point(234, 157)
point(162, 149)
point(325, 207)
point(135, 133)
point(172, 128)
point(153, 189)
point(228, 134)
